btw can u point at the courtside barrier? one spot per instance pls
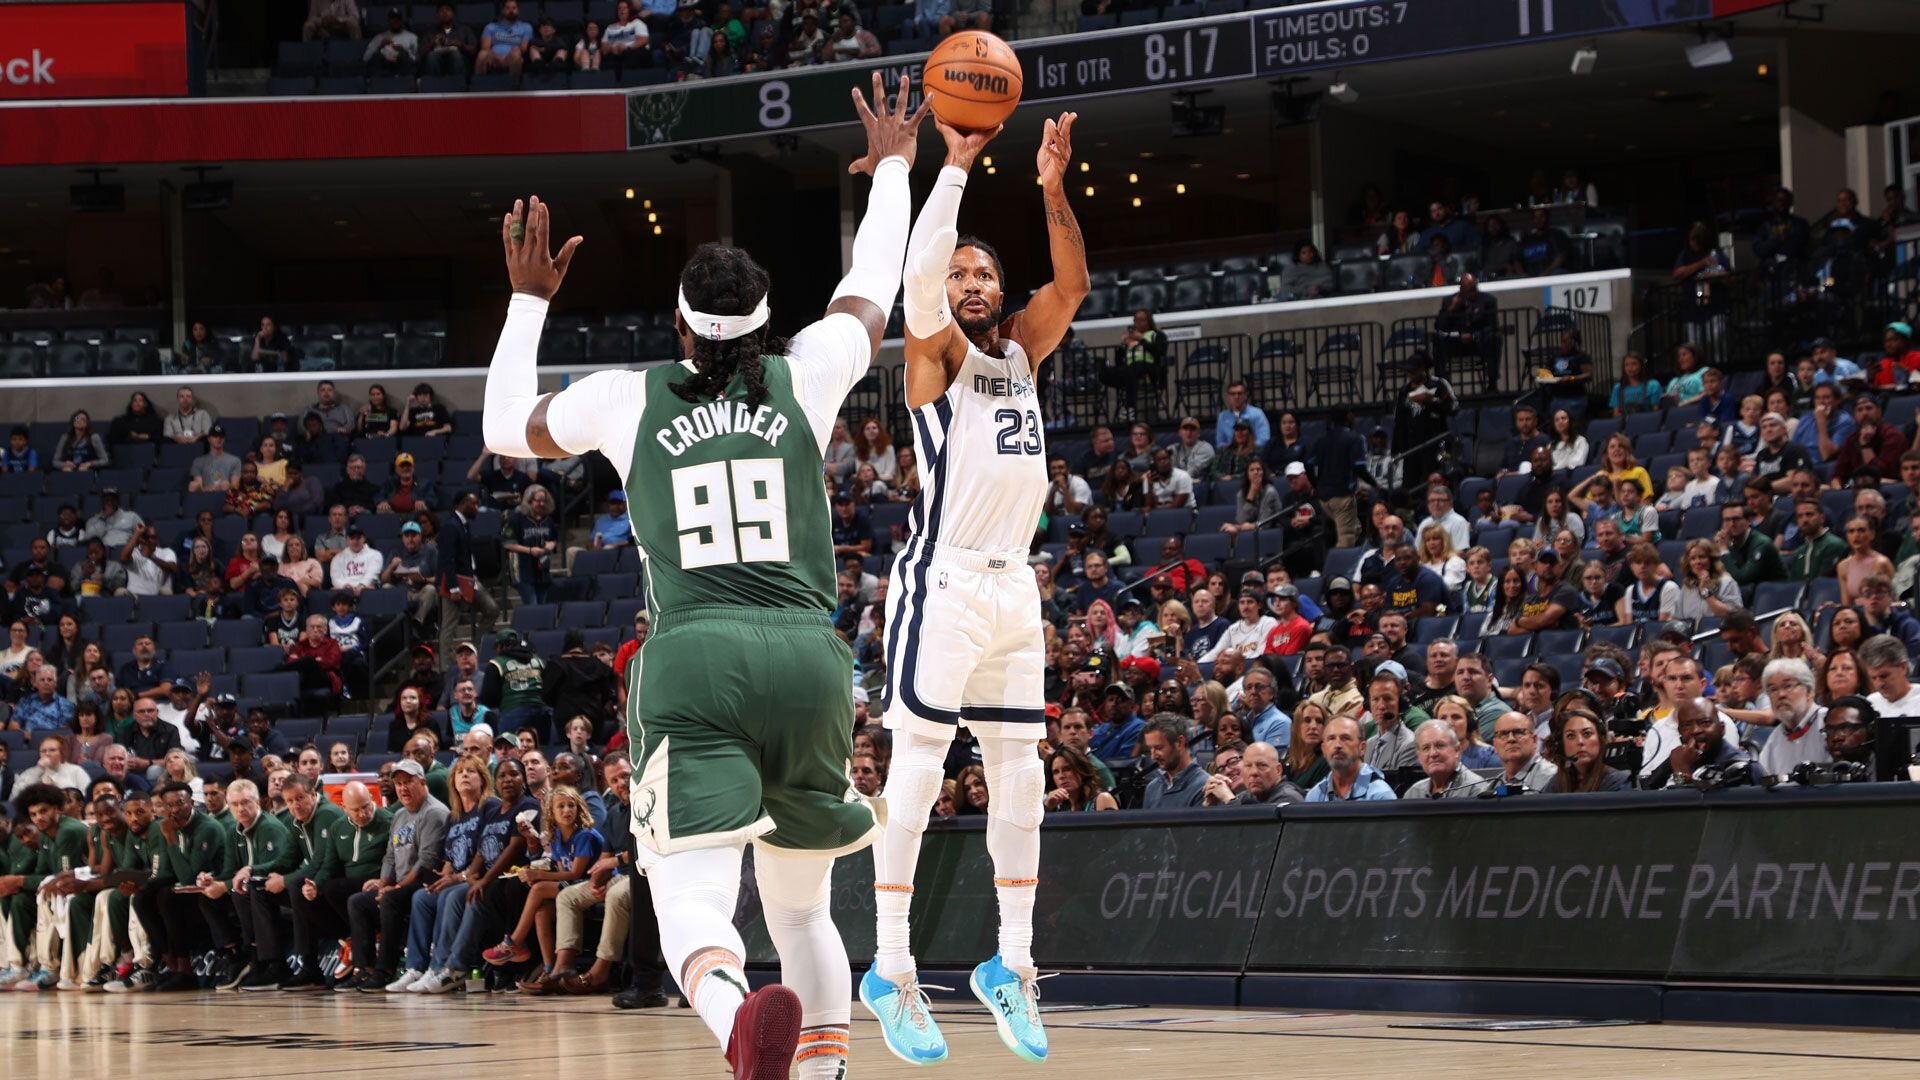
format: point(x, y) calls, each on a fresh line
point(1804, 886)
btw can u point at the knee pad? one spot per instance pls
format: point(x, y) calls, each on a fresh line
point(1017, 787)
point(913, 780)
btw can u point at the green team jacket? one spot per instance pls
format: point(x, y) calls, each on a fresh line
point(308, 836)
point(354, 853)
point(66, 849)
point(199, 848)
point(268, 848)
point(129, 850)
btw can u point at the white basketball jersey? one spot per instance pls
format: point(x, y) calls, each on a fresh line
point(983, 456)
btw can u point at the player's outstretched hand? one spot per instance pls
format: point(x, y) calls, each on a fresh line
point(531, 265)
point(964, 146)
point(890, 131)
point(1056, 151)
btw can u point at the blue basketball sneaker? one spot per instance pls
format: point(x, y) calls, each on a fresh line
point(906, 1019)
point(1014, 1001)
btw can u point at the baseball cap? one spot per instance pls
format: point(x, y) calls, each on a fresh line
point(1129, 603)
point(1121, 689)
point(1295, 468)
point(1190, 422)
point(217, 430)
point(109, 490)
point(1095, 662)
point(1076, 529)
point(1289, 591)
point(423, 648)
point(1393, 668)
point(182, 683)
point(1546, 555)
point(354, 529)
point(1253, 577)
point(1608, 667)
point(410, 527)
point(403, 459)
point(225, 699)
point(1054, 711)
point(842, 497)
point(410, 767)
point(34, 570)
point(1904, 329)
point(1142, 663)
point(395, 13)
point(1339, 584)
point(617, 495)
point(277, 416)
point(1820, 343)
point(506, 635)
point(465, 646)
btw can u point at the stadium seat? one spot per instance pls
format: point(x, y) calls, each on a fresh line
point(528, 618)
point(1505, 647)
point(237, 633)
point(1770, 596)
point(1146, 295)
point(299, 58)
point(1622, 636)
point(338, 85)
point(1088, 24)
point(1357, 275)
point(290, 85)
point(1210, 547)
point(191, 634)
point(19, 361)
point(582, 614)
point(1191, 293)
point(189, 662)
point(1432, 628)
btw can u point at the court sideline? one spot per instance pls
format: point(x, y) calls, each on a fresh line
point(179, 1036)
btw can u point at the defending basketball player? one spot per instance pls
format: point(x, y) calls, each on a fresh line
point(749, 738)
point(963, 613)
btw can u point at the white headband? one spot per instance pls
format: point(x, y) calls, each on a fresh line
point(723, 327)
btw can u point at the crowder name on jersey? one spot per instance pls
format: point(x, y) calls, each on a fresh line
point(721, 418)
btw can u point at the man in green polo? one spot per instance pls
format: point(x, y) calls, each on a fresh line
point(262, 845)
point(347, 852)
point(183, 845)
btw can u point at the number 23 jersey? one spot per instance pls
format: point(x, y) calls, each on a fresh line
point(982, 456)
point(728, 502)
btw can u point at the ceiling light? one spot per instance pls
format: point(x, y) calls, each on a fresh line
point(656, 230)
point(629, 193)
point(1179, 189)
point(1089, 191)
point(1086, 167)
point(1343, 92)
point(1709, 53)
point(1133, 178)
point(1763, 70)
point(1146, 153)
point(1584, 59)
point(990, 170)
point(653, 217)
point(646, 204)
point(1243, 176)
point(1136, 200)
point(987, 161)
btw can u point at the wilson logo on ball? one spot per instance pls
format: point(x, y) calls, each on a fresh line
point(982, 82)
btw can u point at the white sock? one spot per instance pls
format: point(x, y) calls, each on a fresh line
point(913, 785)
point(1017, 783)
point(822, 1053)
point(694, 893)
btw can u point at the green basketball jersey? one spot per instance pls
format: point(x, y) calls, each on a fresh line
point(728, 503)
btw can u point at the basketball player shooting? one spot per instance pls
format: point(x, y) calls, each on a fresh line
point(748, 734)
point(963, 610)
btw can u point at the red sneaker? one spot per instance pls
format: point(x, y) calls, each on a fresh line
point(766, 1031)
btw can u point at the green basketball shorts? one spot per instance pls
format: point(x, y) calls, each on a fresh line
point(742, 722)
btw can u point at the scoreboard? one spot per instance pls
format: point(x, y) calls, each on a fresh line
point(1267, 43)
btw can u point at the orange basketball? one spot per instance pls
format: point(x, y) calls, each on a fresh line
point(974, 78)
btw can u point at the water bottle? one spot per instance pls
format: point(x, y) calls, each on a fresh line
point(476, 982)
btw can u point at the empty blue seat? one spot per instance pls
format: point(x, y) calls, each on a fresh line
point(181, 635)
point(236, 633)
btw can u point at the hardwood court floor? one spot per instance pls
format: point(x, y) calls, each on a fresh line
point(218, 1037)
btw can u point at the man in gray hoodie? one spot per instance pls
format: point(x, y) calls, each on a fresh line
point(414, 853)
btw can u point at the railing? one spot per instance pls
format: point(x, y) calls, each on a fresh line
point(1737, 319)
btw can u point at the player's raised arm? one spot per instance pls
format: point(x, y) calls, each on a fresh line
point(932, 333)
point(515, 417)
point(868, 290)
point(1044, 321)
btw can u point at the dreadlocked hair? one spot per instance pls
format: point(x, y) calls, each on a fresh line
point(723, 280)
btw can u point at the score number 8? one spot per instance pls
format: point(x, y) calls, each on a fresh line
point(776, 108)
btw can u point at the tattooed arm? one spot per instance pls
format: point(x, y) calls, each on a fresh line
point(1047, 316)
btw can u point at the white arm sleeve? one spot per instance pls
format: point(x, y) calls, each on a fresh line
point(929, 251)
point(598, 412)
point(880, 243)
point(513, 384)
